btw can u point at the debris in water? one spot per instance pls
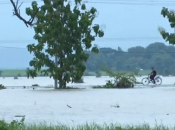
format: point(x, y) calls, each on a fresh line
point(69, 106)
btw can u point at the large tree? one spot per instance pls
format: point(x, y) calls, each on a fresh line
point(170, 15)
point(65, 32)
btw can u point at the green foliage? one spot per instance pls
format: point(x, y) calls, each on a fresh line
point(14, 125)
point(3, 125)
point(64, 32)
point(121, 79)
point(157, 55)
point(87, 126)
point(170, 15)
point(2, 87)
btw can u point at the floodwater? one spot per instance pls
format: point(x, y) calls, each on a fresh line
point(89, 81)
point(140, 105)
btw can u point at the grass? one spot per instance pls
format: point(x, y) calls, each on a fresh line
point(19, 125)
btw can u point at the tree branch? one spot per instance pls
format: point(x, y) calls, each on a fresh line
point(16, 12)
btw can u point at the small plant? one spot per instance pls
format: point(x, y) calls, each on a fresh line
point(16, 77)
point(2, 87)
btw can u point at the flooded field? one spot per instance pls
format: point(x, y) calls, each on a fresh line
point(88, 81)
point(125, 106)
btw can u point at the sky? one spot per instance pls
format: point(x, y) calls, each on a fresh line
point(125, 24)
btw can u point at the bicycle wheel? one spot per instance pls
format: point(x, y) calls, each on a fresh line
point(145, 81)
point(158, 81)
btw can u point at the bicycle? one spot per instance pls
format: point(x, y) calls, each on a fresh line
point(147, 80)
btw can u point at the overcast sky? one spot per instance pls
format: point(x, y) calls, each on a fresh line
point(126, 24)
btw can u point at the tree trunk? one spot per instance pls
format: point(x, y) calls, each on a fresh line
point(56, 82)
point(62, 84)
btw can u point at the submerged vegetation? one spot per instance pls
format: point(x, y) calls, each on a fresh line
point(2, 87)
point(120, 80)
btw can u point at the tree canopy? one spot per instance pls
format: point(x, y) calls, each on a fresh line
point(65, 32)
point(170, 15)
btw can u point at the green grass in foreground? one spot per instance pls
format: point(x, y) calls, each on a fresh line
point(19, 125)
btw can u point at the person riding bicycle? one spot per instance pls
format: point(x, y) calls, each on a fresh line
point(153, 74)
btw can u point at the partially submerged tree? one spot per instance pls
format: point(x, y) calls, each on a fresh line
point(65, 33)
point(170, 14)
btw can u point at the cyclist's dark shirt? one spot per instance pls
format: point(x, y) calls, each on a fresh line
point(154, 72)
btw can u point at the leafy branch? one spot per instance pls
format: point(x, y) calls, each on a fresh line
point(16, 12)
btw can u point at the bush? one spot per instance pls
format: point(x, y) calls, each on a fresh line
point(2, 87)
point(121, 80)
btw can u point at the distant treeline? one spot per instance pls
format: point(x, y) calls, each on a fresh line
point(157, 55)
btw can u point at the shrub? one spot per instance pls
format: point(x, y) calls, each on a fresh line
point(2, 87)
point(121, 80)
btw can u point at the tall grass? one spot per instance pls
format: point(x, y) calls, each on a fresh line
point(19, 125)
